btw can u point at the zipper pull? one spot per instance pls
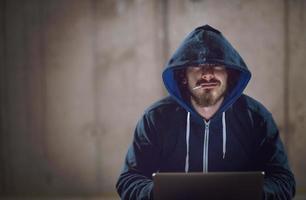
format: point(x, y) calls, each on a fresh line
point(206, 124)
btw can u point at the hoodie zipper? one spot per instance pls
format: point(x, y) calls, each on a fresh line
point(205, 147)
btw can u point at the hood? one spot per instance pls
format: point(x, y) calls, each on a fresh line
point(206, 45)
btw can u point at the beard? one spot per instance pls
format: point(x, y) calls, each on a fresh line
point(208, 97)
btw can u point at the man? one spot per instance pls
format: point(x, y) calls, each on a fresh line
point(206, 124)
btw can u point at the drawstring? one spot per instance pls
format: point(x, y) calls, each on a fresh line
point(188, 135)
point(224, 134)
point(187, 142)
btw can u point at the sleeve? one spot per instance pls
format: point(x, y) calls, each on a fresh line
point(279, 182)
point(135, 179)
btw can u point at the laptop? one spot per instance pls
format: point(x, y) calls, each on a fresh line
point(208, 186)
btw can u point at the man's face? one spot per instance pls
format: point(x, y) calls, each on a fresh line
point(207, 84)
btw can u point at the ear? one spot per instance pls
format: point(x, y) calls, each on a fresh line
point(184, 81)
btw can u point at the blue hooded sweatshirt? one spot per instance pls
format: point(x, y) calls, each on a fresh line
point(172, 137)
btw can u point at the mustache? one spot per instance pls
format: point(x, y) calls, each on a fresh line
point(203, 81)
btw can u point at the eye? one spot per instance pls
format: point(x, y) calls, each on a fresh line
point(219, 68)
point(194, 68)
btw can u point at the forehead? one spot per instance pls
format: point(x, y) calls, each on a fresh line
point(212, 66)
point(207, 65)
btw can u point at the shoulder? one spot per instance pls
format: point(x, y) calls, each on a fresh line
point(166, 110)
point(167, 104)
point(256, 115)
point(252, 106)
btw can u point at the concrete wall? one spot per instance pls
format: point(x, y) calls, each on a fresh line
point(296, 52)
point(76, 76)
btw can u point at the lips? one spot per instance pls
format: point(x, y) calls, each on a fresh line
point(204, 84)
point(209, 85)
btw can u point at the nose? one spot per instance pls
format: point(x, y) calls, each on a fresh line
point(207, 73)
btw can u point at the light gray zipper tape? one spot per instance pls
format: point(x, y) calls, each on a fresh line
point(205, 147)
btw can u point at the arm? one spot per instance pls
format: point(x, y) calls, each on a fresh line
point(279, 181)
point(135, 180)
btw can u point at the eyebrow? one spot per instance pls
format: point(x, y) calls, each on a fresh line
point(208, 65)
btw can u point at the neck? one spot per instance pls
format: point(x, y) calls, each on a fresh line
point(209, 111)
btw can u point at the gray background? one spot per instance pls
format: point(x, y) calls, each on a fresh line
point(76, 76)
